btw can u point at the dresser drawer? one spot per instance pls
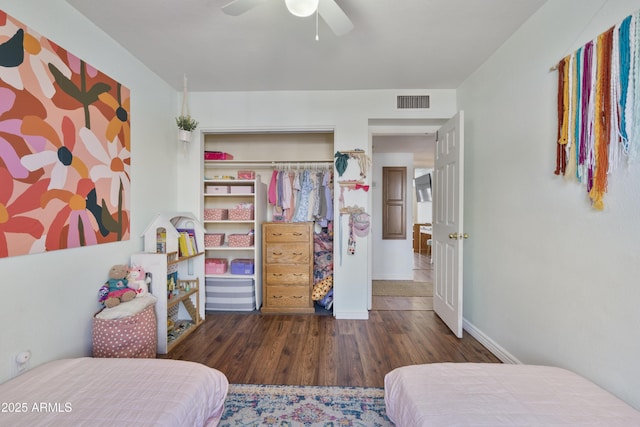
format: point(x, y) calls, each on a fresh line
point(283, 274)
point(286, 232)
point(287, 296)
point(287, 253)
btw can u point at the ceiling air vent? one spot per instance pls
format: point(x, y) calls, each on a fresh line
point(413, 101)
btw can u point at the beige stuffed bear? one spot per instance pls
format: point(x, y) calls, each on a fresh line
point(118, 289)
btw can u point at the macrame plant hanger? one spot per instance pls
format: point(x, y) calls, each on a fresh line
point(184, 135)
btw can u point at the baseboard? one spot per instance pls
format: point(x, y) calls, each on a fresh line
point(490, 344)
point(393, 277)
point(354, 315)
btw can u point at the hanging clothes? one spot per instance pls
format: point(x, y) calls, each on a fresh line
point(273, 188)
point(287, 196)
point(302, 195)
point(328, 189)
point(302, 208)
point(318, 195)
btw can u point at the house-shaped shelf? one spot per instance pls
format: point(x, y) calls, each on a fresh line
point(162, 235)
point(184, 304)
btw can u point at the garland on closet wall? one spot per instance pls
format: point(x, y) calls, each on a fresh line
point(599, 107)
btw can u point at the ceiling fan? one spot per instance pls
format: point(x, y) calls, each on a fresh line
point(328, 10)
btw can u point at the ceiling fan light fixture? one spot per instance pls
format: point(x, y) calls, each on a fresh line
point(302, 8)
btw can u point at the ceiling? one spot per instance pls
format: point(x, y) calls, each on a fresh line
point(395, 44)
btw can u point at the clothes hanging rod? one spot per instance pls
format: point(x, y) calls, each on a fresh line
point(264, 163)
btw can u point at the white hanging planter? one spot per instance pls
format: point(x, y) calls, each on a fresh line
point(184, 135)
point(186, 124)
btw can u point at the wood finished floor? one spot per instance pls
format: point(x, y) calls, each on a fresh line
point(422, 272)
point(322, 350)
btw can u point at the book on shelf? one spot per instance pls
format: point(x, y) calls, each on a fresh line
point(187, 241)
point(182, 244)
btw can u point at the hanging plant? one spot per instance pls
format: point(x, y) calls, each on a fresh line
point(186, 122)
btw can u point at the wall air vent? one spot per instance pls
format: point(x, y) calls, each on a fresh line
point(412, 101)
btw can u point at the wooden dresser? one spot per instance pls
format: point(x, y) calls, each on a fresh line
point(287, 267)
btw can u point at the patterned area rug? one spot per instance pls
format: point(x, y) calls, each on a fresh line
point(401, 288)
point(278, 405)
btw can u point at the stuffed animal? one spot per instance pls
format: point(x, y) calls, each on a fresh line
point(137, 280)
point(118, 291)
point(322, 288)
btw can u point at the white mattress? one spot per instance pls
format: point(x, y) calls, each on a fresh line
point(114, 392)
point(477, 394)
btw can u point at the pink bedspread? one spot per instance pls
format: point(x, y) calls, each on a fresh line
point(492, 394)
point(114, 392)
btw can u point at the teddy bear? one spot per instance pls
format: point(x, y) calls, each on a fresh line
point(137, 280)
point(116, 290)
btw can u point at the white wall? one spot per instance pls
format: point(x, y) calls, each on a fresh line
point(392, 259)
point(49, 299)
point(348, 113)
point(547, 278)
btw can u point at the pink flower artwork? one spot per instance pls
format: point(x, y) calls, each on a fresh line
point(64, 147)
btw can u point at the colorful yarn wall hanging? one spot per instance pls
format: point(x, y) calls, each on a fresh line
point(599, 108)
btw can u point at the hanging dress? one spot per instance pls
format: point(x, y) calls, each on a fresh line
point(302, 208)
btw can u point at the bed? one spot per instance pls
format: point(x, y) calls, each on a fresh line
point(114, 392)
point(492, 394)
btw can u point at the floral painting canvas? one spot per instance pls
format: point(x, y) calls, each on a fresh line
point(64, 147)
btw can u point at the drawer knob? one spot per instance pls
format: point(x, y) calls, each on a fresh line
point(277, 296)
point(276, 234)
point(297, 234)
point(277, 274)
point(298, 274)
point(297, 253)
point(277, 253)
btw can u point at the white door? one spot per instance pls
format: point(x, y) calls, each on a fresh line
point(447, 223)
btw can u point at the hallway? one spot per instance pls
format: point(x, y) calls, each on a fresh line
point(422, 272)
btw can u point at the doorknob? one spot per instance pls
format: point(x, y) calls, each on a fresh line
point(456, 236)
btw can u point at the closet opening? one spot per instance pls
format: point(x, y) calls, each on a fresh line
point(284, 179)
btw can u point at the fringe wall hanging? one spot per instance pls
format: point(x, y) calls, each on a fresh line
point(599, 108)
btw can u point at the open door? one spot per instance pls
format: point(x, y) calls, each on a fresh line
point(448, 235)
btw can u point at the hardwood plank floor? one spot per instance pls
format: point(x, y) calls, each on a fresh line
point(422, 272)
point(321, 350)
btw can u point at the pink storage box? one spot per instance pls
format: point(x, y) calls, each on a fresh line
point(246, 175)
point(213, 239)
point(240, 214)
point(217, 155)
point(241, 189)
point(240, 240)
point(215, 265)
point(216, 214)
point(217, 189)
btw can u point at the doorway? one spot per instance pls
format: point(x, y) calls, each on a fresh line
point(396, 260)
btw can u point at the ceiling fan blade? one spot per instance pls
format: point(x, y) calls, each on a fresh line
point(335, 17)
point(238, 7)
